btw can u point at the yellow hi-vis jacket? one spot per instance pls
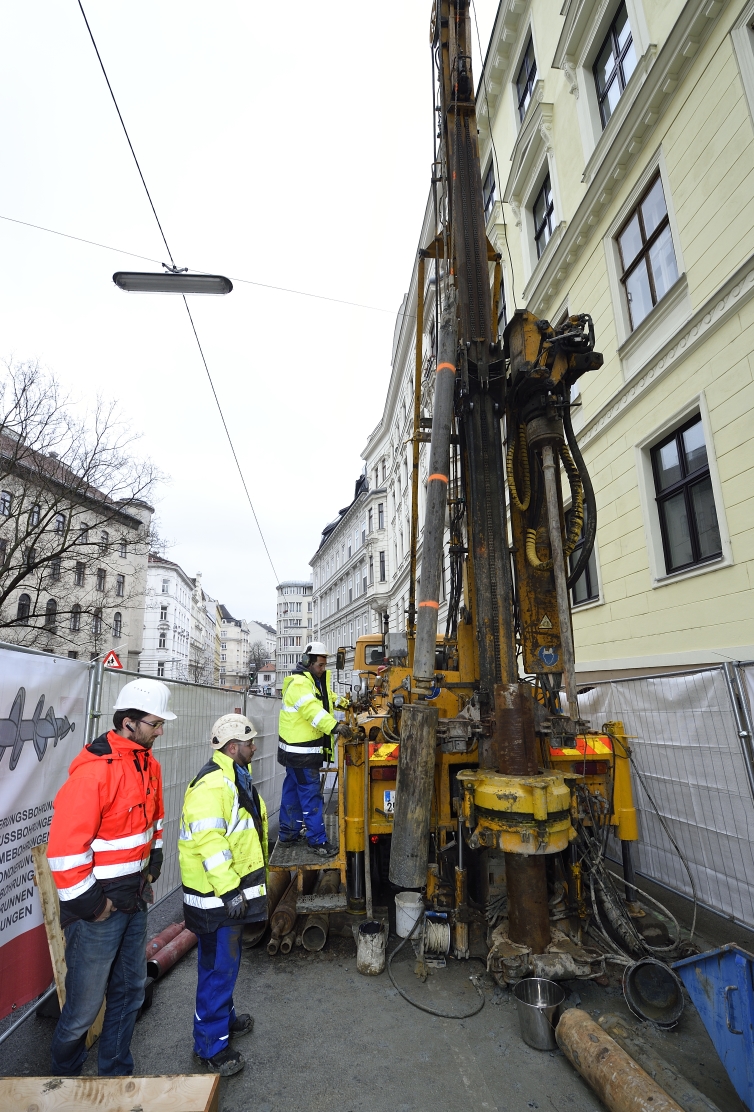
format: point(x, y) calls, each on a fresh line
point(222, 847)
point(306, 722)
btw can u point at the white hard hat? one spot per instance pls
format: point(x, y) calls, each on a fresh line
point(232, 727)
point(315, 648)
point(149, 696)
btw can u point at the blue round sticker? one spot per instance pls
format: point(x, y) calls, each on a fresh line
point(548, 656)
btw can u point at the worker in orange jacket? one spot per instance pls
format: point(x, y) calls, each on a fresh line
point(105, 850)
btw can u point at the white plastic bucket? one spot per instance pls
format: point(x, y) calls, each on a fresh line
point(408, 908)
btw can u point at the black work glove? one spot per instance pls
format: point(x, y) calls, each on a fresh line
point(235, 904)
point(341, 730)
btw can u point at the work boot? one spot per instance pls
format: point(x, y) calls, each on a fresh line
point(243, 1024)
point(298, 840)
point(327, 849)
point(225, 1062)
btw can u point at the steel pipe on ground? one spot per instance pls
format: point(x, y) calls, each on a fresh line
point(287, 942)
point(284, 918)
point(163, 938)
point(615, 1077)
point(166, 958)
point(317, 925)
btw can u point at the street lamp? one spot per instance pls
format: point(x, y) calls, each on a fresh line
point(174, 281)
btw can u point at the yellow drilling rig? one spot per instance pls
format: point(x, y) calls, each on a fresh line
point(468, 777)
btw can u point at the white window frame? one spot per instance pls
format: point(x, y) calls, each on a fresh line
point(659, 577)
point(527, 32)
point(637, 347)
point(742, 37)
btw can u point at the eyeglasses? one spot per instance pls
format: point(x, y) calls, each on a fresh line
point(152, 725)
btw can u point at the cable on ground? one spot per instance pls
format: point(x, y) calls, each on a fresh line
point(415, 1003)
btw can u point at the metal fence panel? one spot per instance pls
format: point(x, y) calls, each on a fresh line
point(686, 745)
point(185, 747)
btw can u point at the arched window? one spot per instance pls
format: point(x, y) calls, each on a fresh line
point(75, 618)
point(34, 514)
point(59, 523)
point(117, 624)
point(24, 608)
point(51, 612)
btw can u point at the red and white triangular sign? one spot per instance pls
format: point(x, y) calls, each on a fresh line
point(112, 660)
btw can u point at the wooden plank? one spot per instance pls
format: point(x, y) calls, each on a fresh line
point(177, 1093)
point(48, 895)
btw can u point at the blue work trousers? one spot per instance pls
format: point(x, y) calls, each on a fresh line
point(102, 958)
point(301, 805)
point(219, 962)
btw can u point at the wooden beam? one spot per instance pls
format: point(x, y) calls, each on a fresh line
point(178, 1093)
point(48, 895)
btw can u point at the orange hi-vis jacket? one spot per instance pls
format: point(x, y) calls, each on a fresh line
point(106, 832)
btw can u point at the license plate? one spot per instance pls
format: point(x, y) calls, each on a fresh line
point(389, 807)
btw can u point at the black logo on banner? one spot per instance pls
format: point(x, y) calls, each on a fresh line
point(15, 730)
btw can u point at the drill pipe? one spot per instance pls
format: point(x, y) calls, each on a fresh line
point(166, 957)
point(287, 942)
point(284, 917)
point(163, 938)
point(615, 1077)
point(317, 925)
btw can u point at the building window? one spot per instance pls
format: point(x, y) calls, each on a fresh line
point(73, 654)
point(381, 514)
point(84, 534)
point(5, 501)
point(23, 609)
point(586, 587)
point(371, 570)
point(383, 576)
point(3, 551)
point(31, 558)
point(122, 550)
point(543, 212)
point(161, 670)
point(615, 63)
point(370, 520)
point(164, 614)
point(117, 624)
point(685, 502)
point(502, 310)
point(120, 585)
point(101, 579)
point(488, 192)
point(166, 587)
point(162, 642)
point(59, 523)
point(527, 75)
point(104, 541)
point(75, 623)
point(363, 532)
point(349, 545)
point(97, 622)
point(55, 568)
point(363, 580)
point(34, 514)
point(79, 574)
point(223, 656)
point(647, 254)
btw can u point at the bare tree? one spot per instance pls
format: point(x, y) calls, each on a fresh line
point(74, 515)
point(258, 657)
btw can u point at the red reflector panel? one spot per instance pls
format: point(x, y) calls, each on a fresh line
point(384, 773)
point(591, 768)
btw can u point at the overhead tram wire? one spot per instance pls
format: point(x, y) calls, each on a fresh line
point(201, 270)
point(185, 302)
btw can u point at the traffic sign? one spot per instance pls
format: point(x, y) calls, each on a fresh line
point(112, 660)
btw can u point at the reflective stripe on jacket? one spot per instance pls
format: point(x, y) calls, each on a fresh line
point(107, 827)
point(222, 847)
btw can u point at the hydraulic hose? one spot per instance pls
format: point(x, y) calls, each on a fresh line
point(590, 523)
point(415, 1003)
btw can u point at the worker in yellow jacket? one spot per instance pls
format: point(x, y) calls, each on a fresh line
point(308, 718)
point(222, 850)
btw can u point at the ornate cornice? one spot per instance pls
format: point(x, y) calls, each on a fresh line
point(696, 331)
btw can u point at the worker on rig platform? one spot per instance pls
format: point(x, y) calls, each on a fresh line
point(222, 849)
point(105, 851)
point(307, 719)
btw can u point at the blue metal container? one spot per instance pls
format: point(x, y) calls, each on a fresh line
point(721, 985)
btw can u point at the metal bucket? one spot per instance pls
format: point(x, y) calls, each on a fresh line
point(537, 1003)
point(654, 992)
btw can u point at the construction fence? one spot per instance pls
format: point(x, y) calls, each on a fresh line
point(50, 707)
point(693, 766)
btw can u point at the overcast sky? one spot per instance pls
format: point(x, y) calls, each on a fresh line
point(287, 144)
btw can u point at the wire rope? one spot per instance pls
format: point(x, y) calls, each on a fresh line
point(415, 1003)
point(191, 319)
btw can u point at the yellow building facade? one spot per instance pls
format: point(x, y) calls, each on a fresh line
point(617, 147)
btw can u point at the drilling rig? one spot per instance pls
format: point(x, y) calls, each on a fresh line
point(467, 765)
